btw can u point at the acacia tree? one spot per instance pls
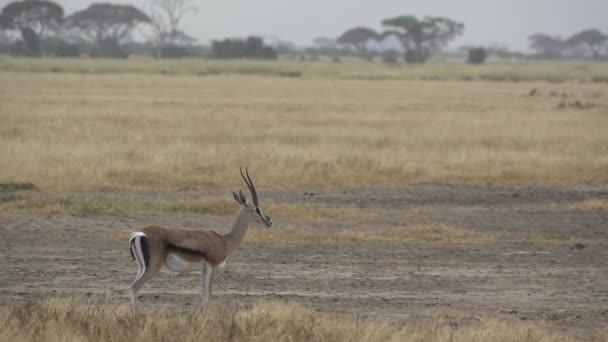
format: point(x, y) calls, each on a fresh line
point(104, 21)
point(165, 17)
point(420, 37)
point(38, 15)
point(546, 45)
point(33, 19)
point(106, 25)
point(594, 40)
point(4, 22)
point(358, 37)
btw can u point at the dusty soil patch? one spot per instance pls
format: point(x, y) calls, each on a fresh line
point(528, 271)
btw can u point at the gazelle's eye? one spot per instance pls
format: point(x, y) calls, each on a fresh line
point(257, 210)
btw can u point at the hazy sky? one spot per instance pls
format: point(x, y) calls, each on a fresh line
point(299, 21)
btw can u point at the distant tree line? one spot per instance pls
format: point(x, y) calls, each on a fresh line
point(41, 28)
point(420, 38)
point(106, 30)
point(591, 43)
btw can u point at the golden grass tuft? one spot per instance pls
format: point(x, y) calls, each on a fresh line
point(590, 205)
point(72, 319)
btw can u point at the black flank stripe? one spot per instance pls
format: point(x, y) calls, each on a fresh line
point(186, 251)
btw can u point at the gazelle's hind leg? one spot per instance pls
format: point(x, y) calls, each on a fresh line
point(140, 269)
point(140, 248)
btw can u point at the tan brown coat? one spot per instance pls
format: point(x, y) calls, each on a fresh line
point(209, 243)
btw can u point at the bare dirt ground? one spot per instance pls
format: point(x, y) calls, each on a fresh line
point(532, 271)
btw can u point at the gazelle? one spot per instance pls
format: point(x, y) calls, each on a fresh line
point(183, 250)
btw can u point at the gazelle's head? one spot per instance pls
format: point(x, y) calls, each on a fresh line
point(252, 208)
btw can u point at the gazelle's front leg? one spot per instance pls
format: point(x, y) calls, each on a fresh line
point(207, 282)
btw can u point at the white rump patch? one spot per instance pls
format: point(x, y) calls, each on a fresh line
point(139, 255)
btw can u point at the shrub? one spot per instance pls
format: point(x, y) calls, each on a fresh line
point(173, 51)
point(252, 47)
point(477, 56)
point(109, 48)
point(391, 57)
point(414, 57)
point(65, 49)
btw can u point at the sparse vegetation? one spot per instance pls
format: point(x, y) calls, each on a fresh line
point(72, 319)
point(99, 204)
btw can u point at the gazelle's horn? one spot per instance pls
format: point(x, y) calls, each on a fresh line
point(254, 195)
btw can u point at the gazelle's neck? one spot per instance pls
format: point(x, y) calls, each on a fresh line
point(234, 239)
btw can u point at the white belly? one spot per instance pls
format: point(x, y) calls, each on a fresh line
point(176, 264)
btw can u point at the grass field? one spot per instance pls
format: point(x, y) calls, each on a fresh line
point(476, 192)
point(126, 131)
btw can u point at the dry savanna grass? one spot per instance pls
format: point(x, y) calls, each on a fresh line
point(72, 319)
point(125, 131)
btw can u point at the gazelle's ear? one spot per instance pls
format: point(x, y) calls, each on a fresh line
point(236, 198)
point(243, 198)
